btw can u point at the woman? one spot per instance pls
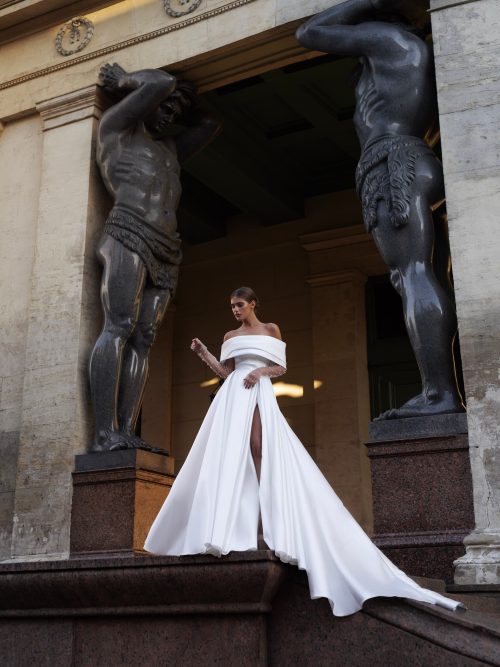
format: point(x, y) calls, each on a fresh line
point(246, 459)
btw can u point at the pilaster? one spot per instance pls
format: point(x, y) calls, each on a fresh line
point(64, 316)
point(339, 264)
point(467, 51)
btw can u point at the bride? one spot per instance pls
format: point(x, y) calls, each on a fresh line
point(246, 461)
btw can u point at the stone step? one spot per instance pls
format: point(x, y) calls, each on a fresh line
point(245, 609)
point(483, 599)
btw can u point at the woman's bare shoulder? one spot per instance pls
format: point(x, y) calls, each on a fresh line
point(230, 334)
point(273, 330)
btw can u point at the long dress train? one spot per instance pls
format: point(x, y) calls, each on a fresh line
point(213, 506)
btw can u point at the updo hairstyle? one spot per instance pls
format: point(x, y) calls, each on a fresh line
point(247, 294)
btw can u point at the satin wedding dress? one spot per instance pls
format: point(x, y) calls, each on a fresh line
point(213, 506)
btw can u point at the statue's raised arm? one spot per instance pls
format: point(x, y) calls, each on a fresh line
point(142, 91)
point(340, 29)
point(399, 179)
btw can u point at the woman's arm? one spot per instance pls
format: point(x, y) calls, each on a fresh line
point(273, 371)
point(222, 370)
point(253, 377)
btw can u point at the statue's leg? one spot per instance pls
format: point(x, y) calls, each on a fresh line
point(428, 310)
point(441, 259)
point(134, 371)
point(123, 280)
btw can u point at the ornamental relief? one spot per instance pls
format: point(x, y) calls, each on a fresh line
point(177, 8)
point(74, 36)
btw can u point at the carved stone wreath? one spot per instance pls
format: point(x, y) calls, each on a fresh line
point(78, 31)
point(191, 6)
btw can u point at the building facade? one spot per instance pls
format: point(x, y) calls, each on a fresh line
point(271, 204)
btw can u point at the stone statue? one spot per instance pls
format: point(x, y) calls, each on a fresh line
point(140, 162)
point(399, 178)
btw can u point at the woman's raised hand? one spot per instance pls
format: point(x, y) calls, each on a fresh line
point(197, 346)
point(251, 379)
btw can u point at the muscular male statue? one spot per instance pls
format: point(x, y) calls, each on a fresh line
point(139, 250)
point(399, 179)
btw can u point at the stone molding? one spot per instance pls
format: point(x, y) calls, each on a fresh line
point(334, 238)
point(439, 5)
point(70, 108)
point(246, 583)
point(126, 43)
point(481, 562)
point(336, 278)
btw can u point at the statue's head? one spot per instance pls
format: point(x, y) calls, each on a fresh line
point(412, 15)
point(418, 29)
point(173, 108)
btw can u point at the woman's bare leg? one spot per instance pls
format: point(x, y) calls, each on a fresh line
point(256, 449)
point(256, 441)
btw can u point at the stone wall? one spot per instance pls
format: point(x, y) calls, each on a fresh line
point(20, 171)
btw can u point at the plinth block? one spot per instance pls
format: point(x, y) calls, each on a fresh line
point(422, 496)
point(116, 497)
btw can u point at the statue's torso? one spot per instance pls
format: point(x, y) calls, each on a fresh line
point(143, 175)
point(396, 93)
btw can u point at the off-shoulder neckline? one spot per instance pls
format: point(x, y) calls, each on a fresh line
point(253, 336)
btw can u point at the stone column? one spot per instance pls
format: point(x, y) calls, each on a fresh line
point(64, 318)
point(341, 402)
point(467, 50)
point(341, 392)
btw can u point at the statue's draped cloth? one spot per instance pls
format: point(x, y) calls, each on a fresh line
point(159, 250)
point(214, 504)
point(386, 172)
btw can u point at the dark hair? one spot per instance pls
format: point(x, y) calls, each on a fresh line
point(188, 89)
point(419, 30)
point(247, 294)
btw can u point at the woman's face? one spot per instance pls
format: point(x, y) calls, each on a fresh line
point(241, 309)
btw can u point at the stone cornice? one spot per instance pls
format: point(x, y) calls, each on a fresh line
point(70, 108)
point(126, 43)
point(19, 18)
point(8, 3)
point(334, 238)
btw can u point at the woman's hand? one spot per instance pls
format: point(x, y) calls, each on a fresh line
point(197, 346)
point(251, 379)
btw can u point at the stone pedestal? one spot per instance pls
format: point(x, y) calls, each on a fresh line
point(116, 497)
point(422, 492)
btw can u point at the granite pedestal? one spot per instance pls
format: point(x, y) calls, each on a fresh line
point(116, 496)
point(422, 492)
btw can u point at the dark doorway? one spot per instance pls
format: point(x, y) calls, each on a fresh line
point(288, 135)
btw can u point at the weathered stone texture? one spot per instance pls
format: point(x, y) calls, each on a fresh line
point(55, 416)
point(467, 46)
point(20, 144)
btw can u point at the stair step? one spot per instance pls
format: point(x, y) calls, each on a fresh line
point(484, 598)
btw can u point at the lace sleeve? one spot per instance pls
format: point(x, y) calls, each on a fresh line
point(222, 370)
point(272, 371)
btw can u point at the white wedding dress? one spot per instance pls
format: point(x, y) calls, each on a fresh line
point(213, 506)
